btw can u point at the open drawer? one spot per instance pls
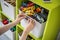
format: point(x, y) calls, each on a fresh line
point(36, 12)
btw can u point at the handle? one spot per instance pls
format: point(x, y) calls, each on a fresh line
point(6, 5)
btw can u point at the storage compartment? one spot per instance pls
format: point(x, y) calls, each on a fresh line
point(36, 12)
point(8, 7)
point(28, 37)
point(20, 34)
point(4, 20)
point(8, 35)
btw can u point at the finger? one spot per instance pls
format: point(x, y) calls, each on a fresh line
point(28, 20)
point(21, 15)
point(32, 21)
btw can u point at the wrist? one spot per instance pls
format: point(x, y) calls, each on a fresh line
point(24, 34)
point(17, 20)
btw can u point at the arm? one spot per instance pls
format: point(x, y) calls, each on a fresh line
point(8, 26)
point(29, 27)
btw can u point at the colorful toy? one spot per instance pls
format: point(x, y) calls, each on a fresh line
point(5, 21)
point(24, 9)
point(39, 18)
point(31, 8)
point(38, 10)
point(33, 11)
point(24, 4)
point(21, 8)
point(28, 8)
point(36, 6)
point(13, 29)
point(29, 12)
point(30, 4)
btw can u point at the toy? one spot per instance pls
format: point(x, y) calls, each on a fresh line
point(24, 4)
point(34, 11)
point(36, 6)
point(5, 21)
point(32, 7)
point(29, 8)
point(38, 10)
point(21, 8)
point(24, 9)
point(44, 16)
point(29, 12)
point(39, 18)
point(30, 4)
point(13, 29)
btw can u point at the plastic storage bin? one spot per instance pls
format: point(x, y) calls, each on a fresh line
point(9, 35)
point(8, 9)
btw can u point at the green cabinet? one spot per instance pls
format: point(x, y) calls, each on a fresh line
point(53, 20)
point(52, 24)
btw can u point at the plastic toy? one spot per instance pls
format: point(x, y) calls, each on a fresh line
point(21, 8)
point(32, 7)
point(30, 4)
point(24, 9)
point(5, 21)
point(39, 18)
point(28, 8)
point(13, 29)
point(29, 12)
point(38, 10)
point(34, 11)
point(24, 4)
point(36, 6)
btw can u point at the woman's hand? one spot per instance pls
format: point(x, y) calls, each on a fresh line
point(28, 28)
point(30, 25)
point(20, 17)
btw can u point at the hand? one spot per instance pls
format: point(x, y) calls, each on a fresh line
point(30, 25)
point(21, 16)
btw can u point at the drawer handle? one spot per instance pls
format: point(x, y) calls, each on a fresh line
point(6, 4)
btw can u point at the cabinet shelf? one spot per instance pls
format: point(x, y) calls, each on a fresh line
point(6, 15)
point(52, 24)
point(20, 27)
